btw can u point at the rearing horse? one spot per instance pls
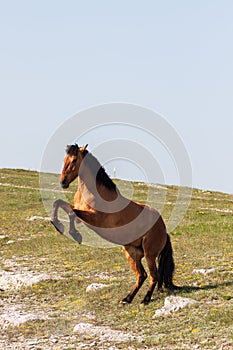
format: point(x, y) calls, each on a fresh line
point(99, 204)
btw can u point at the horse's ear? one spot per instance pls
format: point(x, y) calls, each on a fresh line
point(67, 148)
point(83, 148)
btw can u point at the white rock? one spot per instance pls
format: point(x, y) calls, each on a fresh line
point(13, 316)
point(36, 217)
point(94, 286)
point(104, 276)
point(204, 271)
point(90, 316)
point(82, 327)
point(104, 333)
point(174, 303)
point(10, 241)
point(12, 280)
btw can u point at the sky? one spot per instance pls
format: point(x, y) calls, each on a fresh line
point(173, 57)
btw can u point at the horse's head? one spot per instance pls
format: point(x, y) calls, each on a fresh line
point(72, 161)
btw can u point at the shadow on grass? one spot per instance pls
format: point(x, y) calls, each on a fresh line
point(190, 289)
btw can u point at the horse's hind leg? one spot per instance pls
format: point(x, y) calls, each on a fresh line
point(68, 208)
point(154, 277)
point(134, 256)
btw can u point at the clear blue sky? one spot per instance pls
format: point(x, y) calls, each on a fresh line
point(176, 57)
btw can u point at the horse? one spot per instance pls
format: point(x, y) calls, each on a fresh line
point(138, 228)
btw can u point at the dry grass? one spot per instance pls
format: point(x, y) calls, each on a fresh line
point(203, 240)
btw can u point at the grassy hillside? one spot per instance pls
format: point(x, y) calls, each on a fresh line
point(203, 240)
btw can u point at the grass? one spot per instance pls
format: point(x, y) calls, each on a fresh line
point(202, 240)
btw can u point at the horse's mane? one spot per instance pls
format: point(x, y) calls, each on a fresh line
point(94, 165)
point(96, 168)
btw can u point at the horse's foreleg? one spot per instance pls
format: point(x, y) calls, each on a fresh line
point(54, 217)
point(134, 256)
point(68, 208)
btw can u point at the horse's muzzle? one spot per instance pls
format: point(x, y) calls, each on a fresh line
point(64, 183)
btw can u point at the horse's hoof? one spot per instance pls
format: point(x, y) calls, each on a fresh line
point(146, 300)
point(173, 289)
point(122, 303)
point(76, 236)
point(160, 290)
point(58, 226)
point(77, 220)
point(125, 301)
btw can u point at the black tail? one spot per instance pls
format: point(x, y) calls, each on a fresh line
point(166, 266)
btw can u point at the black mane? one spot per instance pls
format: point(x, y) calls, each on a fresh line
point(72, 150)
point(96, 168)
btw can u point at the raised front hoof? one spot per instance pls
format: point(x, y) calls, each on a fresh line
point(58, 226)
point(76, 236)
point(77, 220)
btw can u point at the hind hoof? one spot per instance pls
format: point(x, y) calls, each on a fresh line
point(145, 301)
point(58, 226)
point(125, 301)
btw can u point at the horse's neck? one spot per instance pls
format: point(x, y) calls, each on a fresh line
point(92, 194)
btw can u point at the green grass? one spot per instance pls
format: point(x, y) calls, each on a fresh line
point(202, 240)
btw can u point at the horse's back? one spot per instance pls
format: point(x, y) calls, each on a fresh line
point(153, 229)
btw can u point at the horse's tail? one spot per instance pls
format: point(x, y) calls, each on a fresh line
point(166, 266)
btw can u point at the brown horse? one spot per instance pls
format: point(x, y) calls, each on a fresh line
point(99, 204)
